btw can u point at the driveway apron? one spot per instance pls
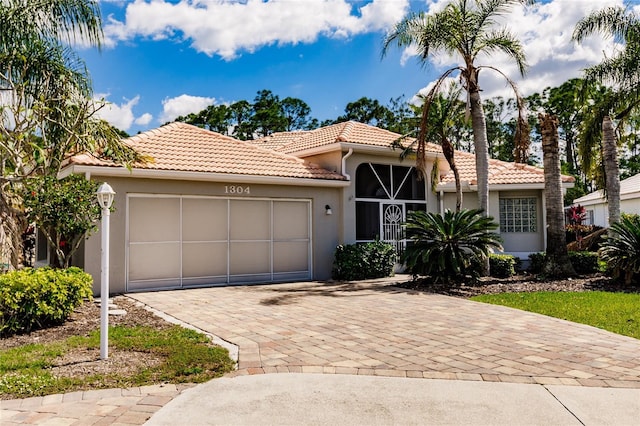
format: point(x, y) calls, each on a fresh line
point(374, 328)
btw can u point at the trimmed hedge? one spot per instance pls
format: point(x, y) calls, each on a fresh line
point(584, 262)
point(363, 261)
point(38, 298)
point(502, 265)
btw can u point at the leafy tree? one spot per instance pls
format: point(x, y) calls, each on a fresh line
point(241, 114)
point(465, 28)
point(446, 247)
point(622, 70)
point(267, 115)
point(296, 113)
point(65, 211)
point(47, 114)
point(368, 111)
point(557, 262)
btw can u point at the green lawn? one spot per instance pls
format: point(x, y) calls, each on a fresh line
point(183, 356)
point(616, 312)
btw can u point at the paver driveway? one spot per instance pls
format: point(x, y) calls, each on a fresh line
point(375, 328)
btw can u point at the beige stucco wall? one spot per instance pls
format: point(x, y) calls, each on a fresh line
point(330, 161)
point(325, 229)
point(520, 243)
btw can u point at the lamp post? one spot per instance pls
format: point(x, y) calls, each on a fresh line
point(105, 197)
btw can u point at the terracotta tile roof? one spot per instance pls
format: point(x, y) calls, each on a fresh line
point(183, 147)
point(347, 132)
point(500, 172)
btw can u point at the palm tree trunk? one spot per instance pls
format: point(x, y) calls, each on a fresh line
point(449, 155)
point(557, 263)
point(481, 147)
point(611, 170)
point(481, 144)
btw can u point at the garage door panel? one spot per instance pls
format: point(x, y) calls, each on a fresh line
point(290, 220)
point(204, 259)
point(250, 220)
point(185, 241)
point(204, 219)
point(154, 219)
point(154, 261)
point(290, 256)
point(249, 258)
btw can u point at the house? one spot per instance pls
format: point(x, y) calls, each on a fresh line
point(597, 208)
point(213, 210)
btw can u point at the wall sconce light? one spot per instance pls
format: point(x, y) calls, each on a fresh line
point(327, 210)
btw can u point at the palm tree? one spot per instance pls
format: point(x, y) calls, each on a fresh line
point(466, 28)
point(621, 248)
point(447, 247)
point(622, 71)
point(47, 112)
point(557, 261)
point(444, 113)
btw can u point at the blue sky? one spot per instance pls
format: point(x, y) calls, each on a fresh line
point(164, 58)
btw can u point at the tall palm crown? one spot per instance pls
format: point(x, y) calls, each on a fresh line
point(622, 69)
point(466, 28)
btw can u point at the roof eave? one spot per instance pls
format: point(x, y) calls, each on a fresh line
point(199, 176)
point(357, 147)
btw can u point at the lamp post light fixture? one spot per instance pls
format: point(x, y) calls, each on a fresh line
point(105, 197)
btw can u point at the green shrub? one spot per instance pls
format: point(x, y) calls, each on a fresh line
point(536, 262)
point(502, 265)
point(363, 261)
point(448, 247)
point(584, 262)
point(621, 248)
point(37, 298)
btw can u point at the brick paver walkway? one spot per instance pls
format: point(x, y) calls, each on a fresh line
point(366, 328)
point(99, 407)
point(373, 328)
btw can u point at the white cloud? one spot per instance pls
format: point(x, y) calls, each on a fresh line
point(183, 105)
point(227, 27)
point(144, 119)
point(545, 31)
point(120, 116)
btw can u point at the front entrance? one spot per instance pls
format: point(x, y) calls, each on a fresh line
point(187, 241)
point(384, 195)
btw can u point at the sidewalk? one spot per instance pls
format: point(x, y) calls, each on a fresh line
point(311, 399)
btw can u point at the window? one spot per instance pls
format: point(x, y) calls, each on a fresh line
point(384, 195)
point(589, 219)
point(518, 214)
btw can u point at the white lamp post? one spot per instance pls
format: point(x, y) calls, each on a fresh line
point(105, 196)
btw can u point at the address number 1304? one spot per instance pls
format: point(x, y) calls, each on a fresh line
point(237, 189)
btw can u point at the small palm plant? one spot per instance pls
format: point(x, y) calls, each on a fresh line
point(621, 248)
point(448, 247)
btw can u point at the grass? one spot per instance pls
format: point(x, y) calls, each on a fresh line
point(615, 312)
point(185, 356)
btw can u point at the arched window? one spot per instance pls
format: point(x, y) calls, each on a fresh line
point(385, 193)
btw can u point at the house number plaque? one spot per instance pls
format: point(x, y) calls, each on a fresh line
point(237, 189)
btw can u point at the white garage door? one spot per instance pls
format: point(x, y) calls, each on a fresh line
point(186, 241)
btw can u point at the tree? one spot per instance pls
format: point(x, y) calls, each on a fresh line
point(47, 112)
point(465, 28)
point(65, 211)
point(241, 120)
point(445, 247)
point(621, 248)
point(267, 115)
point(557, 261)
point(296, 113)
point(368, 111)
point(622, 70)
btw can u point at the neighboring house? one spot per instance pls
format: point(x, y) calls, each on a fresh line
point(212, 210)
point(596, 206)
